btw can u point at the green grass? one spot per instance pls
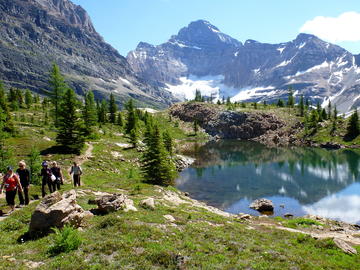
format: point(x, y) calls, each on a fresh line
point(145, 239)
point(302, 222)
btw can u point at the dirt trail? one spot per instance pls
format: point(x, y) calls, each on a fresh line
point(79, 159)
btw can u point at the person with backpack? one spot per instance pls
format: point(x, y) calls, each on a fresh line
point(46, 179)
point(11, 183)
point(24, 175)
point(76, 171)
point(56, 171)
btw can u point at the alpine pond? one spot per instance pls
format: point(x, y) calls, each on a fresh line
point(231, 174)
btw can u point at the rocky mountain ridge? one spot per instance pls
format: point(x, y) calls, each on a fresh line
point(202, 57)
point(36, 33)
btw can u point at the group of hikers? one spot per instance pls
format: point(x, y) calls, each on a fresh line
point(18, 182)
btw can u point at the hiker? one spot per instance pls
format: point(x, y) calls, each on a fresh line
point(76, 172)
point(11, 182)
point(56, 171)
point(24, 175)
point(46, 179)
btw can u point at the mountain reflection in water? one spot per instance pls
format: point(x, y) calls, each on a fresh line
point(231, 174)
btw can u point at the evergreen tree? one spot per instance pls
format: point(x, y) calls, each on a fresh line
point(353, 128)
point(58, 87)
point(329, 110)
point(307, 103)
point(112, 109)
point(19, 97)
point(12, 95)
point(228, 101)
point(218, 102)
point(120, 120)
point(168, 142)
point(280, 103)
point(196, 126)
point(301, 106)
point(34, 163)
point(70, 133)
point(291, 100)
point(324, 114)
point(7, 123)
point(335, 113)
point(102, 112)
point(265, 103)
point(131, 121)
point(157, 168)
point(134, 135)
point(28, 98)
point(89, 113)
point(198, 96)
point(255, 105)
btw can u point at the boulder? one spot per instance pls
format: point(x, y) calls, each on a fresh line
point(113, 202)
point(148, 203)
point(344, 246)
point(262, 205)
point(183, 162)
point(56, 211)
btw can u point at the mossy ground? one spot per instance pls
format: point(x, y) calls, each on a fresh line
point(197, 239)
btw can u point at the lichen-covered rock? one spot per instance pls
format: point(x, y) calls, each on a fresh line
point(262, 205)
point(56, 211)
point(113, 202)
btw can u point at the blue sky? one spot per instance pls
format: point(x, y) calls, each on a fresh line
point(124, 23)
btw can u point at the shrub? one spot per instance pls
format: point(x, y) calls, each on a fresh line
point(65, 240)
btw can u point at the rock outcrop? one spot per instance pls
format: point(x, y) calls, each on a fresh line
point(56, 210)
point(227, 124)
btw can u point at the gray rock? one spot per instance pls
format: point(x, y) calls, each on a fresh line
point(56, 211)
point(344, 246)
point(114, 202)
point(148, 203)
point(262, 205)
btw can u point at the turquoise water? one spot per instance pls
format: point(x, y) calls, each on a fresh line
point(231, 174)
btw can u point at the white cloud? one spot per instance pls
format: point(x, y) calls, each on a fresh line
point(345, 27)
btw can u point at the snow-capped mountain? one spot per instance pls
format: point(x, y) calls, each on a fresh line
point(202, 57)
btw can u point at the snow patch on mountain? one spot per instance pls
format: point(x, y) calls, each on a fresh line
point(255, 92)
point(207, 85)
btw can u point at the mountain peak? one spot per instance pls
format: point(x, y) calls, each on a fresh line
point(203, 34)
point(68, 11)
point(305, 37)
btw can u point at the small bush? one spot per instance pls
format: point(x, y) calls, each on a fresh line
point(65, 240)
point(304, 222)
point(108, 221)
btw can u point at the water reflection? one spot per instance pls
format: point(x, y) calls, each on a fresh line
point(230, 174)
